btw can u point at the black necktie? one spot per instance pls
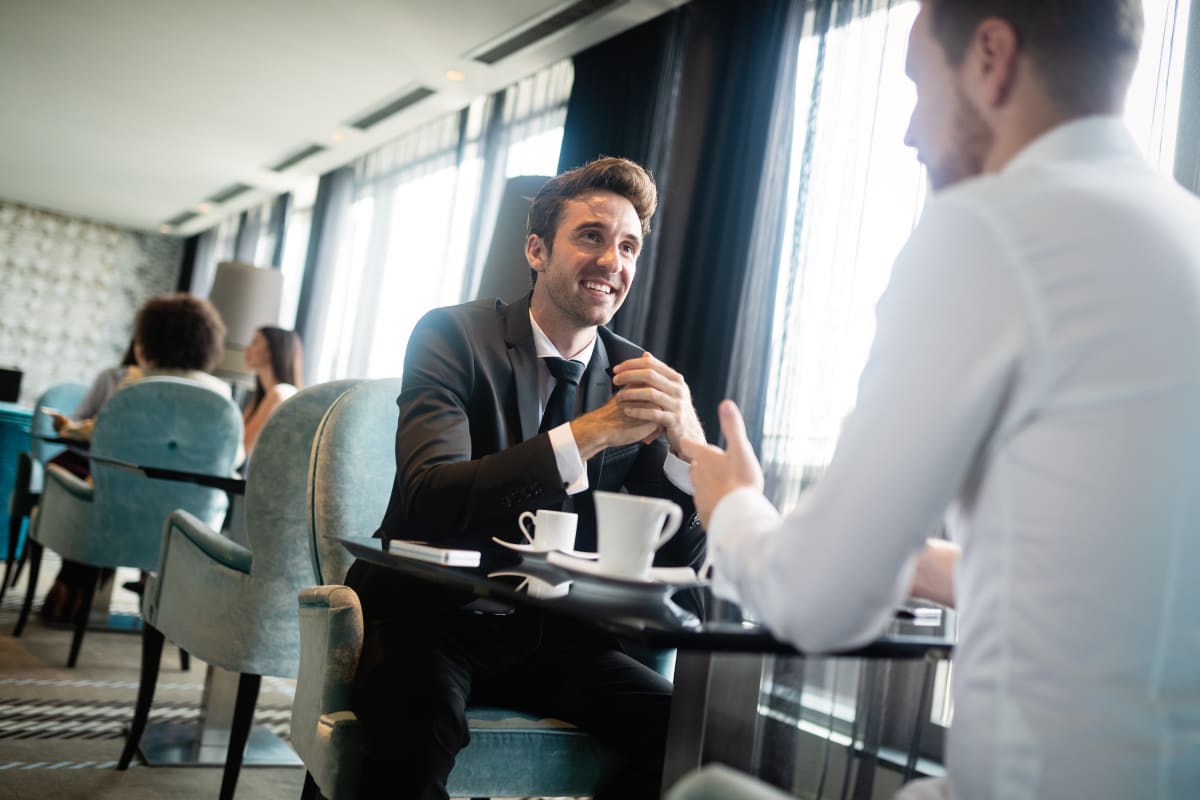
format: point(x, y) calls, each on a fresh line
point(560, 407)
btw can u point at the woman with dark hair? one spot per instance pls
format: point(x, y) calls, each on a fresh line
point(275, 355)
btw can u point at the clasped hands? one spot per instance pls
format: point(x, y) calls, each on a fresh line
point(652, 399)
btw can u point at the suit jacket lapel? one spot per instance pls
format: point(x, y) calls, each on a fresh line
point(523, 359)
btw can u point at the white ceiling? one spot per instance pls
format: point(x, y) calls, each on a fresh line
point(134, 111)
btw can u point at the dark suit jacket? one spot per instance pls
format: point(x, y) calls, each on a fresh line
point(469, 458)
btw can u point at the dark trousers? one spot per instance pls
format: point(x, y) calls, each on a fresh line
point(417, 677)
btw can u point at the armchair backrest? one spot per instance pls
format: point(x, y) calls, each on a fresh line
point(62, 397)
point(351, 473)
point(162, 422)
point(276, 519)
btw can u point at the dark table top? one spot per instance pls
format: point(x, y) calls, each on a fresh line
point(226, 483)
point(658, 615)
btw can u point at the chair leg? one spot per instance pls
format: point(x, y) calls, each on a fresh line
point(14, 538)
point(243, 716)
point(82, 613)
point(35, 567)
point(152, 645)
point(311, 791)
point(185, 660)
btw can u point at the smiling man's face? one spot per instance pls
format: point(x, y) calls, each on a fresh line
point(584, 277)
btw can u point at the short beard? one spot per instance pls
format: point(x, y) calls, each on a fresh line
point(973, 140)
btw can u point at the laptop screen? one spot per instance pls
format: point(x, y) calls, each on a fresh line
point(10, 385)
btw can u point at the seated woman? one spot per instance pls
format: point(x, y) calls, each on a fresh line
point(276, 356)
point(177, 336)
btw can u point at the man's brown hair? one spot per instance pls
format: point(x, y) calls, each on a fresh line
point(1085, 50)
point(180, 331)
point(618, 175)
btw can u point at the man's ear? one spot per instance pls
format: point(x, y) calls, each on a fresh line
point(535, 252)
point(991, 63)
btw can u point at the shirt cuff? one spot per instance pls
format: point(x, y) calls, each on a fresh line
point(571, 468)
point(742, 514)
point(679, 473)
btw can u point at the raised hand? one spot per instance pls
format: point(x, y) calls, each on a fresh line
point(716, 472)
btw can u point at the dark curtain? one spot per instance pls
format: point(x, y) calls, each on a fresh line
point(723, 208)
point(702, 96)
point(623, 103)
point(187, 266)
point(328, 218)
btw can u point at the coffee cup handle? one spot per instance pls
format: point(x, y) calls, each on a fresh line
point(674, 517)
point(521, 524)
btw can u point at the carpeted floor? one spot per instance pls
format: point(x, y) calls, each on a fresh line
point(62, 730)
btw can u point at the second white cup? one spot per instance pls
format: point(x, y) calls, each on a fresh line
point(630, 529)
point(552, 530)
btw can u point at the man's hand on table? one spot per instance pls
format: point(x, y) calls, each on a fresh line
point(716, 472)
point(652, 391)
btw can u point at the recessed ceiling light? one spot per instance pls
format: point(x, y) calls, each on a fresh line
point(204, 208)
point(338, 136)
point(164, 228)
point(456, 75)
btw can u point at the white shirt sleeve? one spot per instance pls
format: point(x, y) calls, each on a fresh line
point(678, 472)
point(571, 468)
point(951, 329)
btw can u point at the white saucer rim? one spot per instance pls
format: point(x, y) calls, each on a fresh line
point(591, 568)
point(530, 549)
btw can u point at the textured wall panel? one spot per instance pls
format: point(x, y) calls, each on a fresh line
point(68, 291)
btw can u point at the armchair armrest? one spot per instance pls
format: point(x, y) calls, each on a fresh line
point(325, 731)
point(216, 546)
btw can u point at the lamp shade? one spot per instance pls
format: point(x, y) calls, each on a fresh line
point(248, 297)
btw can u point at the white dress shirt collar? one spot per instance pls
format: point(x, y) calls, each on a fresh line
point(546, 349)
point(1084, 139)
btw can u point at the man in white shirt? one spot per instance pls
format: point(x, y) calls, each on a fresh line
point(1036, 371)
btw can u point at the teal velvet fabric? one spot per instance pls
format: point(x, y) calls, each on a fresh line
point(245, 592)
point(352, 469)
point(118, 522)
point(62, 397)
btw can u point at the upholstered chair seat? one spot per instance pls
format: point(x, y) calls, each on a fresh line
point(31, 467)
point(116, 520)
point(511, 754)
point(246, 593)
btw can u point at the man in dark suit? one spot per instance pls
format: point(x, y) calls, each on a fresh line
point(508, 408)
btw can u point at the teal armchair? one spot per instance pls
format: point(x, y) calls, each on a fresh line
point(511, 754)
point(117, 519)
point(249, 624)
point(31, 466)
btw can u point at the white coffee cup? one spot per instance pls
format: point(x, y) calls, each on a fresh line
point(552, 530)
point(629, 529)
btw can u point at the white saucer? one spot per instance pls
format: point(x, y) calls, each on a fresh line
point(659, 576)
point(531, 549)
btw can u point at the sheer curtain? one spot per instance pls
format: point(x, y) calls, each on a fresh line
point(420, 219)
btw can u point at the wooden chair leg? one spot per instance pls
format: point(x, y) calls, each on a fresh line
point(35, 567)
point(239, 732)
point(311, 790)
point(185, 660)
point(152, 646)
point(82, 613)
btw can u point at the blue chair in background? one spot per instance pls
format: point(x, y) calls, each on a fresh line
point(117, 520)
point(511, 754)
point(249, 624)
point(31, 464)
